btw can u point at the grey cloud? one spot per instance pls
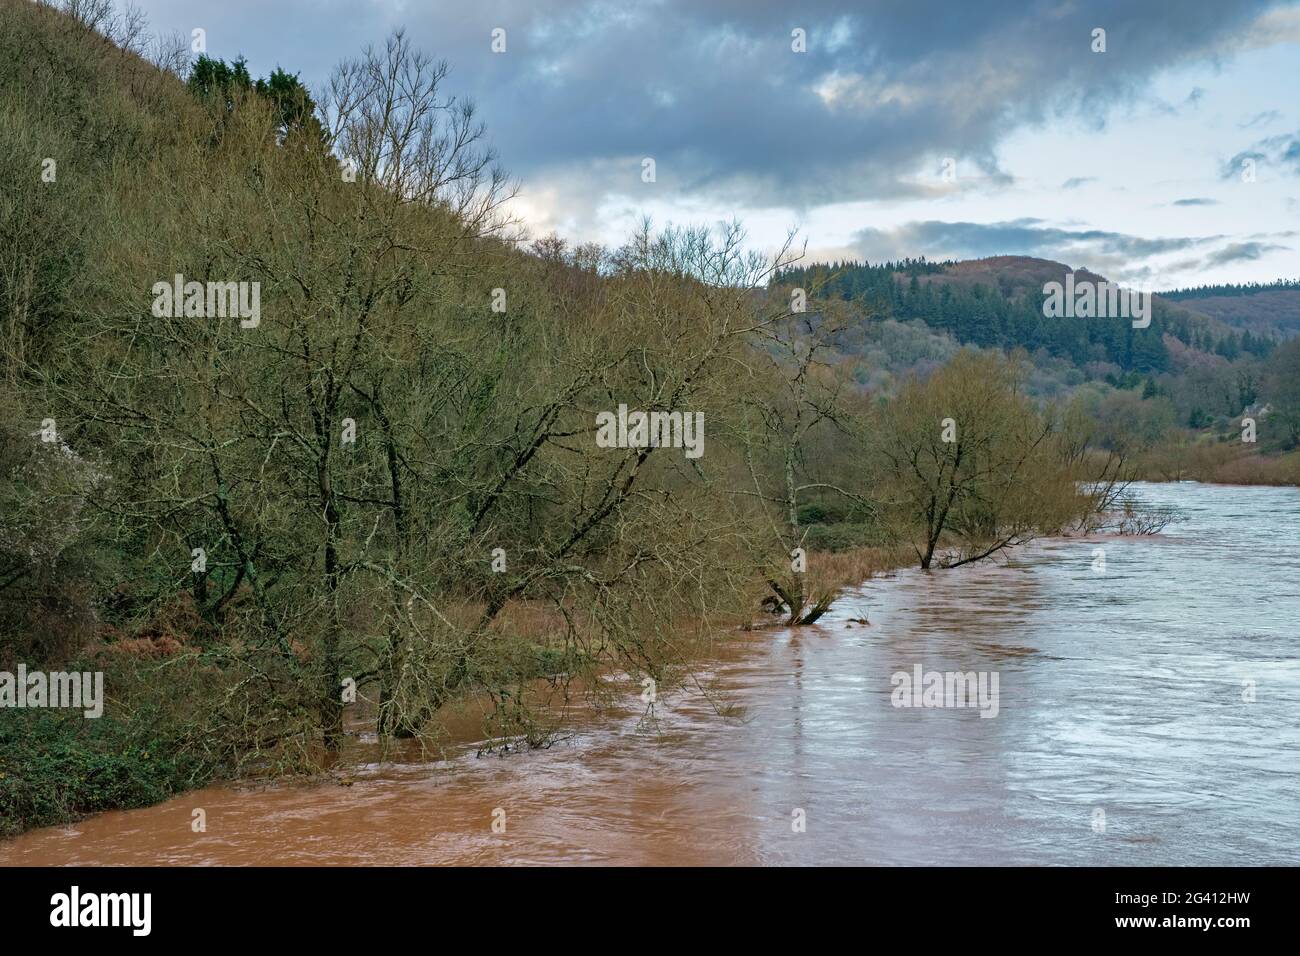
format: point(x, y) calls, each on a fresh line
point(1192, 101)
point(1196, 201)
point(1234, 166)
point(1074, 182)
point(1291, 155)
point(1239, 251)
point(1282, 150)
point(714, 93)
point(1029, 237)
point(1119, 256)
point(1261, 119)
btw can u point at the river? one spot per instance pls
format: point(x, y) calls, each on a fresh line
point(1147, 713)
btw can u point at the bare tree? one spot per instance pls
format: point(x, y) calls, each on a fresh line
point(973, 465)
point(803, 394)
point(388, 118)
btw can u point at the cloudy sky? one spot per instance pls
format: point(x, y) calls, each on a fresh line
point(958, 129)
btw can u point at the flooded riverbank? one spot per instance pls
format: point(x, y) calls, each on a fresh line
point(1148, 712)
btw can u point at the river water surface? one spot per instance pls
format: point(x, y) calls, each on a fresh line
point(1147, 714)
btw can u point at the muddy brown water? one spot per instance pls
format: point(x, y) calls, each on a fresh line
point(1147, 714)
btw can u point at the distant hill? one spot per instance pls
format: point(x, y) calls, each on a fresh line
point(1272, 309)
point(1012, 275)
point(998, 302)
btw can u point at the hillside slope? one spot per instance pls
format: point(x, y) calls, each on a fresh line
point(1263, 311)
point(998, 302)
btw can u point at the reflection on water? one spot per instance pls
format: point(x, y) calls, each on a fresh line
point(1120, 692)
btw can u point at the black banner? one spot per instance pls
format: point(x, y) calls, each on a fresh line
point(210, 905)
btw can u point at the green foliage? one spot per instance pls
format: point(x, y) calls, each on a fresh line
point(169, 724)
point(214, 80)
point(293, 104)
point(812, 514)
point(59, 766)
point(841, 536)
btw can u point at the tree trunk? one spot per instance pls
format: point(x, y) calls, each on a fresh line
point(331, 702)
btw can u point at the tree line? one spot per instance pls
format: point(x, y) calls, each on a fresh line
point(989, 316)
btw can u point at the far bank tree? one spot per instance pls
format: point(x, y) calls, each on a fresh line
point(973, 466)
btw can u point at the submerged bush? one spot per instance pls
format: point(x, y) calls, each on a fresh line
point(57, 766)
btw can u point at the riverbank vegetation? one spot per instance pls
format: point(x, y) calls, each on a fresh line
point(1175, 400)
point(381, 491)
